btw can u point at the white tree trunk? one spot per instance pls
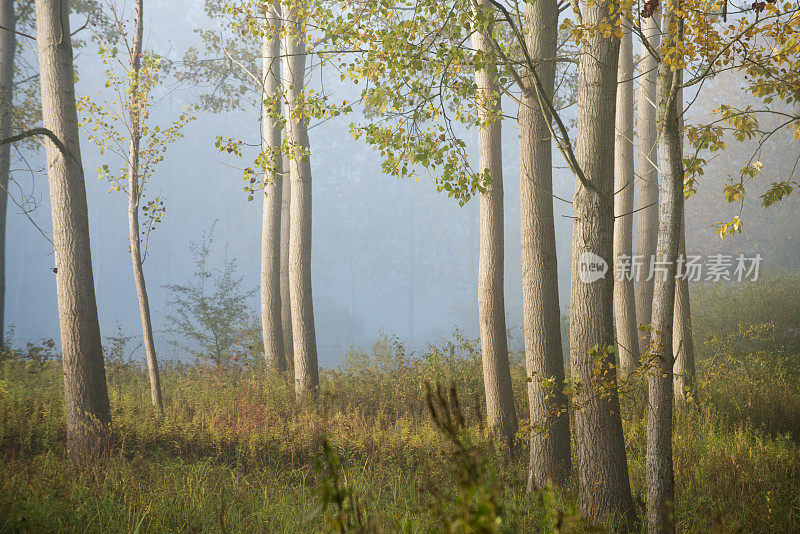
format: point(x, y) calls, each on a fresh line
point(271, 319)
point(8, 45)
point(85, 394)
point(647, 169)
point(659, 467)
point(624, 298)
point(306, 369)
point(501, 414)
point(602, 465)
point(286, 304)
point(550, 437)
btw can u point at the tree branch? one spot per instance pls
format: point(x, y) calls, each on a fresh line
point(40, 131)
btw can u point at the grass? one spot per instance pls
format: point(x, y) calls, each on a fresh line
point(233, 453)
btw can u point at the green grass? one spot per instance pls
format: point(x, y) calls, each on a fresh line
point(233, 453)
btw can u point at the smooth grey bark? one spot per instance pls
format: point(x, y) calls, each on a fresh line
point(624, 296)
point(659, 466)
point(85, 394)
point(306, 369)
point(550, 438)
point(684, 367)
point(603, 482)
point(501, 413)
point(647, 169)
point(134, 198)
point(8, 46)
point(271, 310)
point(286, 304)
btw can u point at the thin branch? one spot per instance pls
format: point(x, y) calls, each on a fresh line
point(40, 131)
point(17, 32)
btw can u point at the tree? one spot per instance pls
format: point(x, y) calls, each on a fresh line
point(502, 415)
point(211, 309)
point(647, 170)
point(682, 342)
point(8, 44)
point(133, 82)
point(624, 295)
point(134, 197)
point(230, 65)
point(85, 394)
point(272, 327)
point(550, 436)
point(20, 103)
point(286, 305)
point(690, 38)
point(660, 476)
point(602, 466)
point(306, 368)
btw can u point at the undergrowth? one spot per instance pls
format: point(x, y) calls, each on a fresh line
point(384, 450)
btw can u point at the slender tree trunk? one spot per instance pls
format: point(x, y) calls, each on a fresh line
point(8, 45)
point(134, 196)
point(602, 466)
point(624, 298)
point(286, 304)
point(682, 342)
point(659, 468)
point(647, 167)
point(306, 370)
point(550, 437)
point(85, 394)
point(501, 414)
point(271, 318)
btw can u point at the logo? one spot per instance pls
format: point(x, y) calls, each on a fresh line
point(591, 267)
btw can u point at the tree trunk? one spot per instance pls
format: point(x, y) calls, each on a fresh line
point(134, 196)
point(550, 437)
point(306, 370)
point(624, 298)
point(85, 395)
point(286, 304)
point(271, 318)
point(660, 477)
point(602, 466)
point(682, 342)
point(501, 414)
point(646, 163)
point(8, 45)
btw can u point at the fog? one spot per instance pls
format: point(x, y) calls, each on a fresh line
point(388, 255)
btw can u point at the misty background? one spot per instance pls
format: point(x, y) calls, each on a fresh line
point(388, 255)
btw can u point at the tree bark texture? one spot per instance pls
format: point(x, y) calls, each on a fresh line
point(306, 370)
point(647, 168)
point(286, 304)
point(85, 394)
point(549, 415)
point(602, 465)
point(501, 414)
point(682, 342)
point(271, 318)
point(624, 297)
point(659, 467)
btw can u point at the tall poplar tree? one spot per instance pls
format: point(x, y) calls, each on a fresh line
point(85, 393)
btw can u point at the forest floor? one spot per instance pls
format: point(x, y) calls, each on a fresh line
point(234, 453)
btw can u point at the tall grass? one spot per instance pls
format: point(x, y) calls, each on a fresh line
point(234, 453)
